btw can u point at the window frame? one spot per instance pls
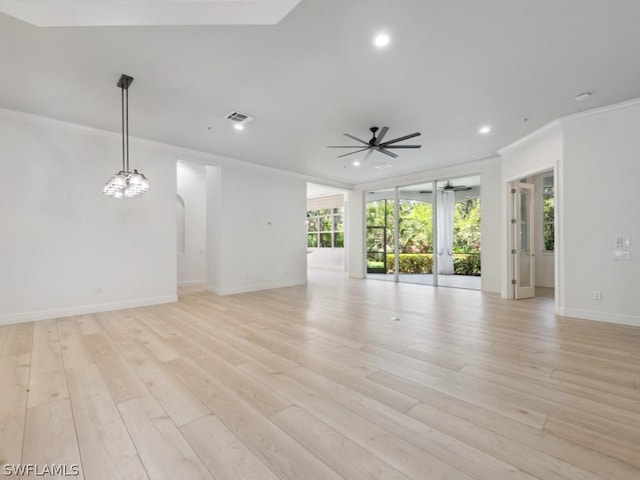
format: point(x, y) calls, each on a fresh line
point(326, 225)
point(548, 192)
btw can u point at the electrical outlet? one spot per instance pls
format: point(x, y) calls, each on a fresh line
point(597, 295)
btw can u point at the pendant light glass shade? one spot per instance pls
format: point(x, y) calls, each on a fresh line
point(126, 183)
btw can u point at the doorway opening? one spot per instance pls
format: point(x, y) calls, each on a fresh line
point(191, 226)
point(326, 227)
point(533, 235)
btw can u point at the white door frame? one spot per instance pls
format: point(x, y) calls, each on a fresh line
point(507, 289)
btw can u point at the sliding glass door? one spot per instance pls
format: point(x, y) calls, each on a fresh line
point(433, 227)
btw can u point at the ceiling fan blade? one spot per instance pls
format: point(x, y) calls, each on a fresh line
point(387, 152)
point(383, 132)
point(355, 138)
point(344, 146)
point(401, 146)
point(351, 153)
point(399, 139)
point(367, 155)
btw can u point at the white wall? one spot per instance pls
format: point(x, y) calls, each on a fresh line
point(602, 202)
point(328, 258)
point(355, 233)
point(191, 184)
point(490, 205)
point(533, 154)
point(596, 158)
point(61, 239)
point(214, 231)
point(257, 224)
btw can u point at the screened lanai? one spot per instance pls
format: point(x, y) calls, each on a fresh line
point(435, 232)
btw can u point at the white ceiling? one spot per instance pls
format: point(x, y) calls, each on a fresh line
point(91, 13)
point(451, 67)
point(314, 190)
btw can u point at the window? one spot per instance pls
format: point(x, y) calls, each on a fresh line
point(548, 213)
point(325, 228)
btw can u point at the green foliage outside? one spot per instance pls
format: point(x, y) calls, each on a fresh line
point(463, 263)
point(548, 213)
point(412, 262)
point(416, 224)
point(416, 236)
point(466, 264)
point(325, 228)
point(466, 226)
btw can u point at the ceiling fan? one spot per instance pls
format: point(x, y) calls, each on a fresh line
point(448, 187)
point(376, 144)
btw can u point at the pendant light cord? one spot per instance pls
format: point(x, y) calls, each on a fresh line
point(124, 169)
point(125, 183)
point(127, 102)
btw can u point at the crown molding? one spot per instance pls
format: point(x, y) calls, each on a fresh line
point(547, 129)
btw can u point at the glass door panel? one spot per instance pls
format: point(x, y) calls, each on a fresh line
point(380, 234)
point(415, 234)
point(523, 240)
point(458, 232)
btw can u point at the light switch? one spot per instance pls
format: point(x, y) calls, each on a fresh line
point(621, 255)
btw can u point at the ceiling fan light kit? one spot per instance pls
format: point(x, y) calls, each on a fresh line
point(126, 183)
point(376, 144)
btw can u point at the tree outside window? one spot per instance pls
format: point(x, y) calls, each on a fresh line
point(548, 213)
point(325, 228)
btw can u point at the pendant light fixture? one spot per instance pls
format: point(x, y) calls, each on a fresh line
point(126, 183)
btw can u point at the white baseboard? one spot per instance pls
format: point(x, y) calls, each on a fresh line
point(84, 310)
point(618, 318)
point(190, 283)
point(254, 288)
point(331, 268)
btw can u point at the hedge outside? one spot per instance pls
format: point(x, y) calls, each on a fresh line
point(463, 263)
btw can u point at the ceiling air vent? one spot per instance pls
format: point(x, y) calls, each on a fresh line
point(383, 166)
point(238, 118)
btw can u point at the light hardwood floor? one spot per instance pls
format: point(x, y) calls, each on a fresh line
point(338, 379)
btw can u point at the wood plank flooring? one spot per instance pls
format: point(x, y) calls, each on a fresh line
point(339, 379)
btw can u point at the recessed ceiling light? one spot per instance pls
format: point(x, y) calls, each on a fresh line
point(582, 96)
point(356, 163)
point(485, 129)
point(381, 40)
point(238, 126)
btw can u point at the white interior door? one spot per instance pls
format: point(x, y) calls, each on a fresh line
point(523, 250)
